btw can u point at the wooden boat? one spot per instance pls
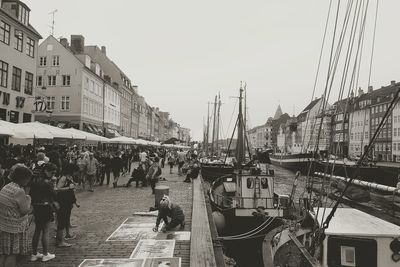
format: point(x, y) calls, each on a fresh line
point(353, 238)
point(246, 201)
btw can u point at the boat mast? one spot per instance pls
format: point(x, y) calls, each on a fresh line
point(208, 127)
point(218, 121)
point(240, 137)
point(213, 132)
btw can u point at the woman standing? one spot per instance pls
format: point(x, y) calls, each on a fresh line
point(65, 198)
point(15, 204)
point(42, 193)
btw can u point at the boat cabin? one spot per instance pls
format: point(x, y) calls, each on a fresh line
point(355, 238)
point(257, 191)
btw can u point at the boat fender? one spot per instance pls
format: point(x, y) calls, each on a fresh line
point(395, 247)
point(219, 221)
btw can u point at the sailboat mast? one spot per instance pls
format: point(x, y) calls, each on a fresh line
point(213, 132)
point(240, 137)
point(208, 127)
point(218, 121)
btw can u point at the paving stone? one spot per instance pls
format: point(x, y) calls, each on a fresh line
point(103, 211)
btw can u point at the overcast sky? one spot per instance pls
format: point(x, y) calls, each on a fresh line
point(181, 52)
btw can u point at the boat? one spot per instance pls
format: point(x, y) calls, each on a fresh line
point(294, 162)
point(353, 238)
point(329, 235)
point(367, 172)
point(214, 165)
point(245, 200)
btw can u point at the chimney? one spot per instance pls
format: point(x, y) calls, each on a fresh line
point(360, 91)
point(64, 42)
point(77, 44)
point(370, 89)
point(104, 50)
point(392, 82)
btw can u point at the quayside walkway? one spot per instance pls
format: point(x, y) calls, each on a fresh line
point(109, 233)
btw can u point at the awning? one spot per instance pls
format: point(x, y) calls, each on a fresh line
point(117, 134)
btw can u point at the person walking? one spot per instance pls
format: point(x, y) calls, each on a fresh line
point(81, 163)
point(181, 161)
point(154, 173)
point(117, 165)
point(43, 194)
point(171, 161)
point(15, 204)
point(91, 170)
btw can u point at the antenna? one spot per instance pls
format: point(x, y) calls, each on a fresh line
point(53, 22)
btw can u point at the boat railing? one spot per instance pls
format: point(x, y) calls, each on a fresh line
point(250, 202)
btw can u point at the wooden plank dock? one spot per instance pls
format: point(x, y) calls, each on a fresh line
point(201, 244)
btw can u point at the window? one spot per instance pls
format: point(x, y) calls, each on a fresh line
point(347, 256)
point(51, 100)
point(56, 60)
point(4, 32)
point(14, 116)
point(26, 117)
point(43, 61)
point(398, 146)
point(394, 147)
point(30, 47)
point(65, 103)
point(366, 135)
point(85, 105)
point(86, 83)
point(52, 80)
point(395, 132)
point(23, 15)
point(28, 83)
point(39, 81)
point(3, 74)
point(3, 114)
point(66, 80)
point(394, 119)
point(16, 79)
point(19, 37)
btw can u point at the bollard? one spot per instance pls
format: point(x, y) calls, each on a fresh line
point(160, 191)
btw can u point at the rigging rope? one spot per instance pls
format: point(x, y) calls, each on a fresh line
point(373, 42)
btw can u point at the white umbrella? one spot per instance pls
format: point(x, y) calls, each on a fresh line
point(31, 130)
point(122, 140)
point(6, 128)
point(88, 136)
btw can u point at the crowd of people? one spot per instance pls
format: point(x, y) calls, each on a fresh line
point(39, 184)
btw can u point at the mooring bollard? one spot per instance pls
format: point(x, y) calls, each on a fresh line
point(160, 191)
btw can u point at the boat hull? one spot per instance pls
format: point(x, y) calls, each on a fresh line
point(210, 172)
point(374, 174)
point(296, 162)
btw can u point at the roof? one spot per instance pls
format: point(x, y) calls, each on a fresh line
point(278, 113)
point(28, 27)
point(303, 114)
point(352, 222)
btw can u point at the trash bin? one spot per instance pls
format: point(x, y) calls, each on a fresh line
point(160, 191)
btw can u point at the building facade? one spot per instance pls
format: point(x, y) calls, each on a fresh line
point(71, 87)
point(18, 54)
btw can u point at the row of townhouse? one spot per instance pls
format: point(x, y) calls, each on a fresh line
point(346, 127)
point(69, 84)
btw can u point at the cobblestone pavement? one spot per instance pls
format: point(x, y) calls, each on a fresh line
point(104, 210)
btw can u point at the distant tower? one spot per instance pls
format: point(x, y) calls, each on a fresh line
point(278, 113)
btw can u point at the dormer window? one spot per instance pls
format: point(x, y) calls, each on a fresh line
point(23, 15)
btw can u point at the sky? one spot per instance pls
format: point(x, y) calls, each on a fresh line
point(181, 53)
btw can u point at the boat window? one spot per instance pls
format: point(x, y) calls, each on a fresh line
point(250, 183)
point(264, 183)
point(347, 256)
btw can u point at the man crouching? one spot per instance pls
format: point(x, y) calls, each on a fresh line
point(172, 210)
